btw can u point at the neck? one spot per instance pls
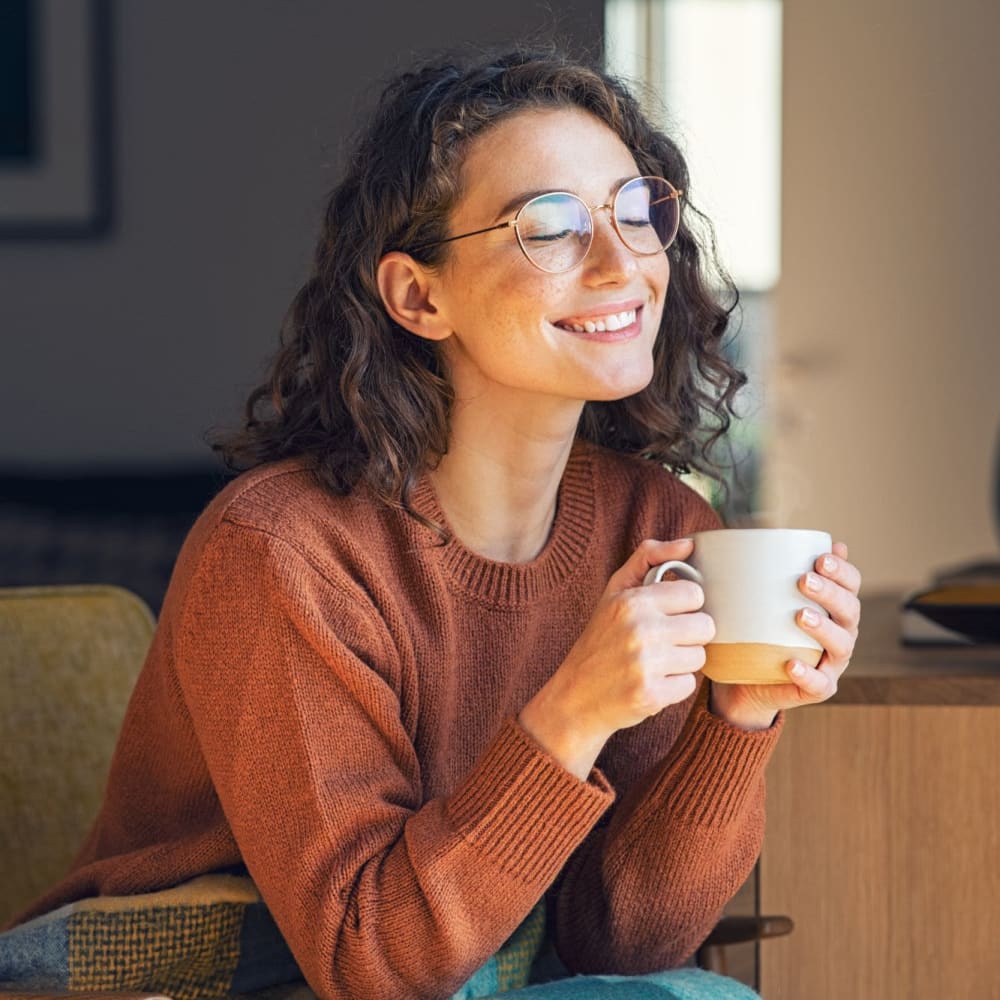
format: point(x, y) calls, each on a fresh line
point(499, 482)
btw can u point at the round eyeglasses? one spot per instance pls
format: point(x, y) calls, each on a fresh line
point(555, 230)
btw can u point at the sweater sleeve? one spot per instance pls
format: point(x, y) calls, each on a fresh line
point(647, 887)
point(290, 681)
point(650, 883)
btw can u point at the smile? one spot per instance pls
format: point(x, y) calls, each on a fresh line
point(600, 324)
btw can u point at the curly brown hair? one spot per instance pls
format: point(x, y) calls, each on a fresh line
point(368, 401)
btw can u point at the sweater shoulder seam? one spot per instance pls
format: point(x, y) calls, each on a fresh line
point(233, 521)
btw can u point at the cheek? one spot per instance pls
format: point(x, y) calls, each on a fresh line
point(513, 301)
point(494, 286)
point(661, 274)
point(658, 278)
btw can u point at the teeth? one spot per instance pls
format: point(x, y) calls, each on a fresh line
point(615, 321)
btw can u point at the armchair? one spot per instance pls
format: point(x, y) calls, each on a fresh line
point(69, 656)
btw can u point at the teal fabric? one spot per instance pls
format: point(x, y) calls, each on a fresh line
point(485, 983)
point(677, 984)
point(550, 980)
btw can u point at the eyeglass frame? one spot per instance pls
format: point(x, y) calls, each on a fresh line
point(675, 195)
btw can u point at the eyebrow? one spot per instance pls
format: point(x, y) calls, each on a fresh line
point(520, 199)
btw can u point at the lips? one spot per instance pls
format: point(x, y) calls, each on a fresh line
point(599, 324)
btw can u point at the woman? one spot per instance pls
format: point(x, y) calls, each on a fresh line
point(406, 672)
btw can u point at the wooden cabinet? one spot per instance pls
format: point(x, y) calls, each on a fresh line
point(883, 828)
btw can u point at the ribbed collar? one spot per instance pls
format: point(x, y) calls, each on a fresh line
point(514, 584)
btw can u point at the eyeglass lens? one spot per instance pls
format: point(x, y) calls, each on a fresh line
point(555, 230)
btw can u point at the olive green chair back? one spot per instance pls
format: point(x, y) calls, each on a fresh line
point(69, 657)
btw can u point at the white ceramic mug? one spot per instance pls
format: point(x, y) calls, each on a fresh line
point(750, 578)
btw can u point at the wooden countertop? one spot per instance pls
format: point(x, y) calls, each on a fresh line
point(885, 672)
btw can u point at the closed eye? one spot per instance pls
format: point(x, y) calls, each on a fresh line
point(550, 237)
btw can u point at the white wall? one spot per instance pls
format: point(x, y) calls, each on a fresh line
point(227, 123)
point(885, 392)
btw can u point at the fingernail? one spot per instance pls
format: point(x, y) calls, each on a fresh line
point(809, 617)
point(813, 582)
point(798, 670)
point(829, 564)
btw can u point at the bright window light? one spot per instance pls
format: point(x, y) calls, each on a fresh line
point(716, 67)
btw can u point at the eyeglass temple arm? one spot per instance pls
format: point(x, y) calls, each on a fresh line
point(451, 239)
point(673, 196)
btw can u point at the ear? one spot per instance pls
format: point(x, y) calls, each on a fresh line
point(407, 294)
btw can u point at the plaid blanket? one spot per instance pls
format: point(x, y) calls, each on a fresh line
point(210, 937)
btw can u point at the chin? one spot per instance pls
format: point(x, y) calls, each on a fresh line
point(627, 384)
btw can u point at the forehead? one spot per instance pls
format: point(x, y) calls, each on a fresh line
point(543, 150)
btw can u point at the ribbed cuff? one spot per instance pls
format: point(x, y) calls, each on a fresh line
point(524, 810)
point(715, 767)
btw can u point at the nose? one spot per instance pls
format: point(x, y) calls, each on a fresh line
point(609, 261)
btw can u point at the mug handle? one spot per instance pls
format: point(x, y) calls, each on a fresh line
point(684, 570)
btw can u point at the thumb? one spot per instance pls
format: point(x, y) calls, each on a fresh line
point(650, 553)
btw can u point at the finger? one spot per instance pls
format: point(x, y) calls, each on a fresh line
point(835, 639)
point(682, 660)
point(650, 553)
point(836, 567)
point(838, 601)
point(674, 688)
point(814, 684)
point(674, 597)
point(662, 609)
point(691, 629)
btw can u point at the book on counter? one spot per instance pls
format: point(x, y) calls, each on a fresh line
point(960, 606)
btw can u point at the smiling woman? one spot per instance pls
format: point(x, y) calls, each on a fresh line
point(441, 187)
point(513, 336)
point(407, 683)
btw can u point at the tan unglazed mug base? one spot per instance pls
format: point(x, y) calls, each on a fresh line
point(754, 662)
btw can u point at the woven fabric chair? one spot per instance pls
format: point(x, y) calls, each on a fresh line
point(69, 657)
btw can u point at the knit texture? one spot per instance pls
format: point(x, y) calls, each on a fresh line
point(330, 701)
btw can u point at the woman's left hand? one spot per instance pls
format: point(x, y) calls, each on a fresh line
point(833, 585)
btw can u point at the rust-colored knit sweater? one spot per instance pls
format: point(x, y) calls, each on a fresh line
point(330, 699)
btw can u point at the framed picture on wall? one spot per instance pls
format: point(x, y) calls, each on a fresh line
point(55, 168)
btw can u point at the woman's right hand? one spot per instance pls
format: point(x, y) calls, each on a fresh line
point(638, 653)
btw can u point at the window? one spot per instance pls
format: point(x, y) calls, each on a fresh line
point(710, 73)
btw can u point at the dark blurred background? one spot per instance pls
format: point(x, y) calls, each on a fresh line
point(143, 295)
